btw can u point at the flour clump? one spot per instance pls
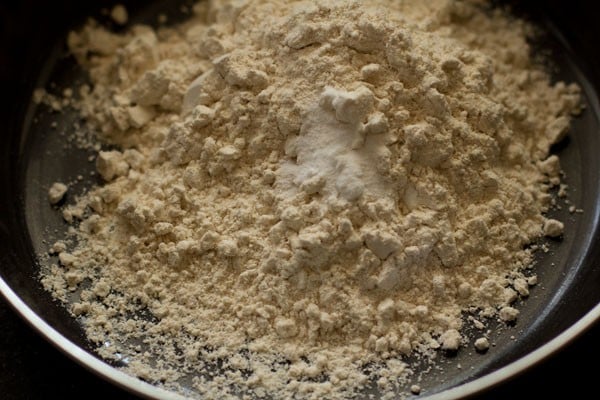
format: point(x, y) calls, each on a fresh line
point(305, 189)
point(57, 192)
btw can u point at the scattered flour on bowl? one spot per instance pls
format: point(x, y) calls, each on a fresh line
point(305, 192)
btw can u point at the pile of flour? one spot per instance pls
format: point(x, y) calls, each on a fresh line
point(307, 191)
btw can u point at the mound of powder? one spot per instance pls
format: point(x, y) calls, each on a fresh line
point(308, 191)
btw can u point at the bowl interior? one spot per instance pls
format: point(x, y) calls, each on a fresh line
point(35, 153)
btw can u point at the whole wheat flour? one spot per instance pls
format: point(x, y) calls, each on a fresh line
point(301, 193)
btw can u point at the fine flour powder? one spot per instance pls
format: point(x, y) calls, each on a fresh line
point(307, 191)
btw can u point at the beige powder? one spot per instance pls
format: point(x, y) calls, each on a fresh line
point(305, 188)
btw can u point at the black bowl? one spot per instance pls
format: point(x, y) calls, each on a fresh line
point(32, 158)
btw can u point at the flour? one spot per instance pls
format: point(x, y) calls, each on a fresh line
point(482, 344)
point(553, 228)
point(332, 156)
point(57, 192)
point(119, 14)
point(291, 205)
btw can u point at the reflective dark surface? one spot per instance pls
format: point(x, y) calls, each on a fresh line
point(31, 158)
